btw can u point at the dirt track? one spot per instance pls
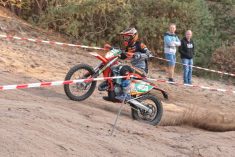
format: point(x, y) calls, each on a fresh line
point(43, 122)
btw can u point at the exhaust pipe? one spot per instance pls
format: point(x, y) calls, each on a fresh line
point(139, 105)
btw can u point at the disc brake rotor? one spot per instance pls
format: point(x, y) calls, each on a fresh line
point(82, 86)
point(146, 115)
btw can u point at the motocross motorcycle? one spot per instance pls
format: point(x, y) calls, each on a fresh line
point(145, 107)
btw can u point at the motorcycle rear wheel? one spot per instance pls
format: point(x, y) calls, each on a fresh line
point(88, 87)
point(155, 105)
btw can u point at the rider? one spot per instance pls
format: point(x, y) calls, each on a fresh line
point(138, 53)
point(135, 50)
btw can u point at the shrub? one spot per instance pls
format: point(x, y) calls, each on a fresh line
point(223, 59)
point(99, 21)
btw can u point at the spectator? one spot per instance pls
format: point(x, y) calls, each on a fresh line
point(187, 51)
point(171, 42)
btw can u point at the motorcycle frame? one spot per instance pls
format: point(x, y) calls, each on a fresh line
point(104, 67)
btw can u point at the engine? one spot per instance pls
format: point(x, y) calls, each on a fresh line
point(117, 89)
point(117, 82)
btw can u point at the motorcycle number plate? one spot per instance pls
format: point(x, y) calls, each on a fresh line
point(141, 87)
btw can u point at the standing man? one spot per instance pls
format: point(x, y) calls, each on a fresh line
point(187, 51)
point(171, 42)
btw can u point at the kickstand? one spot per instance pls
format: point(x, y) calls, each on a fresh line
point(118, 114)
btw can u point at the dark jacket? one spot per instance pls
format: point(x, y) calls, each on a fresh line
point(187, 48)
point(140, 49)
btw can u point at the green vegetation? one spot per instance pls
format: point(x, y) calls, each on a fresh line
point(99, 21)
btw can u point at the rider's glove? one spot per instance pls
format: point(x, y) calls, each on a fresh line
point(137, 56)
point(123, 55)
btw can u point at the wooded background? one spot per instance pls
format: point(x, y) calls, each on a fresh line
point(98, 21)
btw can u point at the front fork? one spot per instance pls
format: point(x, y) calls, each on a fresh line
point(102, 68)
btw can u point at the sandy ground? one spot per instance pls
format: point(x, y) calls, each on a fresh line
point(44, 122)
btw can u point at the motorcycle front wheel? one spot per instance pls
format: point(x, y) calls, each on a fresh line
point(154, 104)
point(80, 90)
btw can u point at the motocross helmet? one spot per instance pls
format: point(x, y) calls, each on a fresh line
point(130, 36)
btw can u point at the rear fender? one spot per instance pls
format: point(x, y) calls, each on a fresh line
point(164, 93)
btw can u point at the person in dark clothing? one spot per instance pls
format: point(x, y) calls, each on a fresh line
point(138, 53)
point(135, 50)
point(187, 52)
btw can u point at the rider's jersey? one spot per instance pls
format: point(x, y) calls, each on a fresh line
point(142, 50)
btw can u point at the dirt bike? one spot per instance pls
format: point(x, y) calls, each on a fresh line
point(144, 106)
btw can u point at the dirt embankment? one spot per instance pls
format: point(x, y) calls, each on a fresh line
point(43, 122)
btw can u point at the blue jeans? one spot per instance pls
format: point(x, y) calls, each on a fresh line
point(187, 70)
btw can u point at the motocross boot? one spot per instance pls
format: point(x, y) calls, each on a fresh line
point(111, 97)
point(103, 86)
point(125, 96)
